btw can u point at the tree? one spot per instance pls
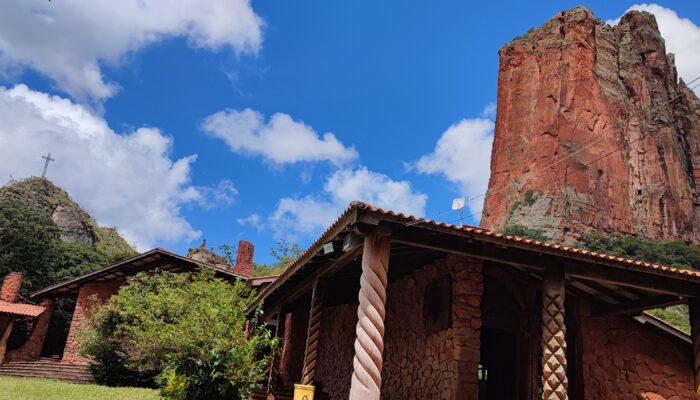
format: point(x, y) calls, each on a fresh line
point(188, 328)
point(284, 253)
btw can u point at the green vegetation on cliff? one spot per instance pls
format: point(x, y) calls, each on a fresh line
point(75, 224)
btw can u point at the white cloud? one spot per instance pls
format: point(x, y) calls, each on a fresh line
point(682, 38)
point(223, 194)
point(68, 40)
point(489, 111)
point(280, 140)
point(124, 180)
point(463, 156)
point(311, 214)
point(252, 220)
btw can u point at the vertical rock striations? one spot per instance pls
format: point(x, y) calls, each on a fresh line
point(595, 131)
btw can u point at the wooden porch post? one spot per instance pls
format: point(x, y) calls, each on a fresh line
point(4, 335)
point(554, 380)
point(694, 306)
point(311, 351)
point(369, 343)
point(273, 383)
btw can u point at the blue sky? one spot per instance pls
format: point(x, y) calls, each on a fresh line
point(174, 124)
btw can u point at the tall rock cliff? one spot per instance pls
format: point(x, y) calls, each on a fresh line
point(74, 223)
point(594, 130)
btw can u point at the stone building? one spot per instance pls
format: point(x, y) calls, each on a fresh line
point(32, 356)
point(390, 306)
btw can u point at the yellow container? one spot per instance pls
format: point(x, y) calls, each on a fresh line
point(303, 392)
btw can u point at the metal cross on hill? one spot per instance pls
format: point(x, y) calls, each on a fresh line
point(46, 164)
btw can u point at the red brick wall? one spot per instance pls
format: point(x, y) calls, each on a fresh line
point(623, 359)
point(440, 365)
point(35, 342)
point(244, 258)
point(11, 286)
point(83, 306)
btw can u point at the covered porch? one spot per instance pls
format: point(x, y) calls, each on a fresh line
point(389, 306)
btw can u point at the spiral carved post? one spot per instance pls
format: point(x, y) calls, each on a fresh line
point(311, 352)
point(369, 342)
point(694, 304)
point(554, 380)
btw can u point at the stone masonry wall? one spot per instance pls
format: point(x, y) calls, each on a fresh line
point(83, 306)
point(625, 360)
point(417, 365)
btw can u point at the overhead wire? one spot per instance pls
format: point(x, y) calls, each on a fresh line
point(577, 149)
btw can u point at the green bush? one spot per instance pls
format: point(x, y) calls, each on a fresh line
point(187, 329)
point(524, 232)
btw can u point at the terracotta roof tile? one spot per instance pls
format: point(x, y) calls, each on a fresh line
point(23, 309)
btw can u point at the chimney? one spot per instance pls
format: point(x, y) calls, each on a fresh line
point(244, 259)
point(11, 286)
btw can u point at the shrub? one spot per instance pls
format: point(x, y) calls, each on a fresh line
point(524, 232)
point(187, 329)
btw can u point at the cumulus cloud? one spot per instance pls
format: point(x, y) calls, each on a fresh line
point(124, 180)
point(279, 140)
point(682, 38)
point(223, 194)
point(463, 156)
point(310, 214)
point(69, 40)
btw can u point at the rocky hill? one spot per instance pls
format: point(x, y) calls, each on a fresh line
point(75, 224)
point(594, 131)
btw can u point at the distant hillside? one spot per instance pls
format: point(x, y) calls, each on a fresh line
point(75, 224)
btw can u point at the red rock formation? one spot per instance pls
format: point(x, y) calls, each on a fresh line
point(577, 83)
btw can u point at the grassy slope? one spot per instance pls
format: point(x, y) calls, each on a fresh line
point(46, 389)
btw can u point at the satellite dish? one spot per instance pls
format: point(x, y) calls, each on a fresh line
point(458, 203)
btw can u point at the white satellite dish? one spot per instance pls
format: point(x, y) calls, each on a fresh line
point(458, 204)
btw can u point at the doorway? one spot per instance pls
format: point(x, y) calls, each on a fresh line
point(499, 355)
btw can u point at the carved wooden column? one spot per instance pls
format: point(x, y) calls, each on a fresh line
point(311, 351)
point(694, 305)
point(554, 380)
point(369, 343)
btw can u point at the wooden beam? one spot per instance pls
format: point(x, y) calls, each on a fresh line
point(637, 306)
point(634, 277)
point(323, 271)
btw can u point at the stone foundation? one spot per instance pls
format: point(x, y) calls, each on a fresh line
point(624, 360)
point(89, 296)
point(419, 362)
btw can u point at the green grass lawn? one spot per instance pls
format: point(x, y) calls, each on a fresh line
point(47, 389)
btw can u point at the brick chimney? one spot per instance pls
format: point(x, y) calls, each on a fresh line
point(244, 258)
point(11, 286)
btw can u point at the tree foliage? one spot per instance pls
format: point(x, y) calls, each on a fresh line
point(30, 243)
point(284, 253)
point(525, 232)
point(188, 329)
point(674, 253)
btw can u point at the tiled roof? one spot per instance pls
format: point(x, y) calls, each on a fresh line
point(481, 233)
point(23, 309)
point(534, 243)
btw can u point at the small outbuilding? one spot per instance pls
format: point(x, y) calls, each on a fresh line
point(385, 305)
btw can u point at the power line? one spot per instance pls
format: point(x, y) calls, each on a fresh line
point(577, 149)
point(585, 165)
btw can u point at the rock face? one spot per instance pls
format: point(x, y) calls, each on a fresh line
point(594, 131)
point(75, 225)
